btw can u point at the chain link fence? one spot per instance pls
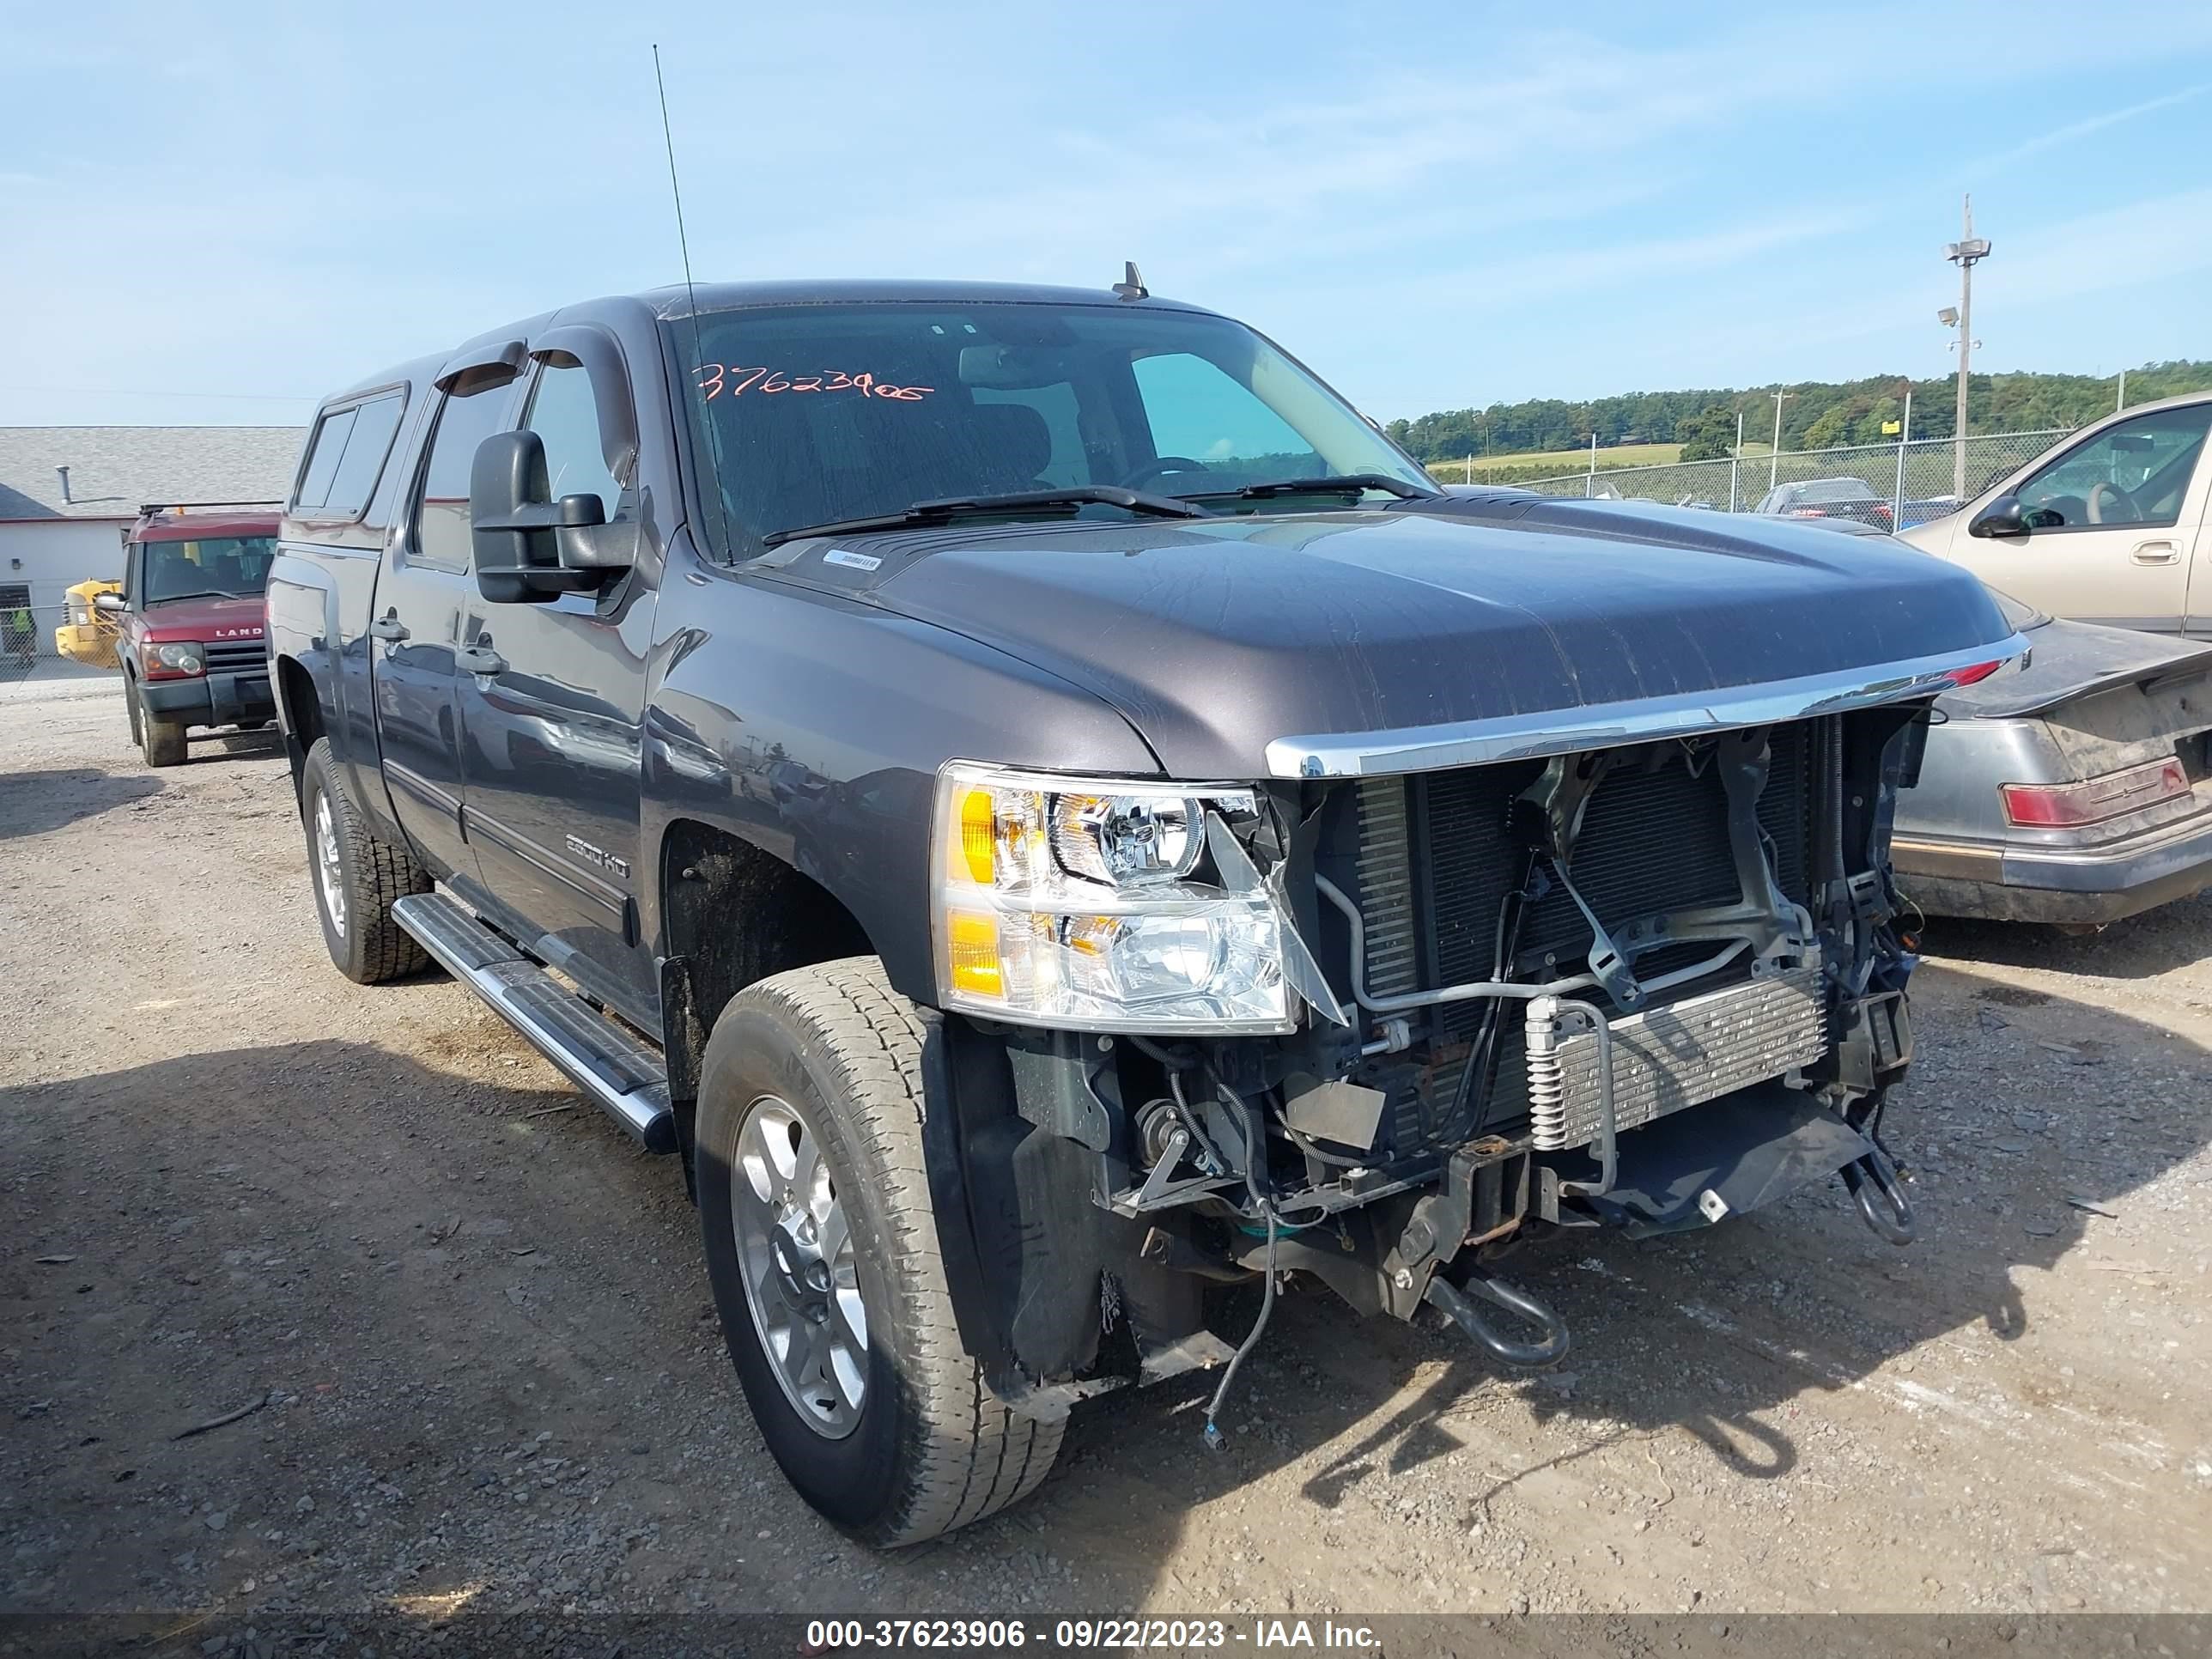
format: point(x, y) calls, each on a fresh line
point(1915, 480)
point(32, 637)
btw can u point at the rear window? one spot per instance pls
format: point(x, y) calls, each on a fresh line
point(346, 457)
point(1836, 490)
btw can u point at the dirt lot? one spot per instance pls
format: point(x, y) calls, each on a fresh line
point(476, 1321)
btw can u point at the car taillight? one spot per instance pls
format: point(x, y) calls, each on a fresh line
point(1974, 673)
point(2064, 805)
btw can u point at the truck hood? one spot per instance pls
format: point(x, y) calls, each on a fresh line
point(240, 618)
point(1218, 638)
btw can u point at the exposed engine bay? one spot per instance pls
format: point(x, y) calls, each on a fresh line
point(1647, 987)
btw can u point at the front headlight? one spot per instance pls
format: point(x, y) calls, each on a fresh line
point(178, 657)
point(1077, 903)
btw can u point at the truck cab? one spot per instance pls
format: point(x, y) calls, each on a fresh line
point(190, 624)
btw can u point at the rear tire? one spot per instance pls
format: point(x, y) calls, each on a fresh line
point(357, 877)
point(910, 1442)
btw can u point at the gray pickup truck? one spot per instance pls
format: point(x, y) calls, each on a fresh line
point(1047, 815)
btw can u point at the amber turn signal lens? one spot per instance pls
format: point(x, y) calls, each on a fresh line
point(974, 942)
point(978, 835)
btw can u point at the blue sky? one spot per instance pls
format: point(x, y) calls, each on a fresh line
point(1434, 205)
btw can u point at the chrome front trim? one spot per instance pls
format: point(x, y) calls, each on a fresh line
point(1606, 726)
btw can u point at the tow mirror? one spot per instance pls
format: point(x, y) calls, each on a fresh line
point(2002, 518)
point(530, 548)
point(110, 603)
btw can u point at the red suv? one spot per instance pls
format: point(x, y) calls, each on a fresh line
point(191, 613)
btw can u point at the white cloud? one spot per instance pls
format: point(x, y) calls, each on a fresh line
point(2076, 130)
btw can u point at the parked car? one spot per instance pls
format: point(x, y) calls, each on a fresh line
point(2109, 527)
point(1829, 498)
point(88, 634)
point(2078, 791)
point(1045, 811)
point(190, 616)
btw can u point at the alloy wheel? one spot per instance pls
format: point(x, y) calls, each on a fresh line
point(801, 1280)
point(327, 869)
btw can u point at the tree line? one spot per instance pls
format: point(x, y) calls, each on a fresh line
point(1816, 415)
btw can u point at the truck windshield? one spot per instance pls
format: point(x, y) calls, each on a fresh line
point(803, 416)
point(216, 566)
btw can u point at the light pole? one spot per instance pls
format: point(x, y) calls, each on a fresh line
point(1774, 455)
point(1968, 251)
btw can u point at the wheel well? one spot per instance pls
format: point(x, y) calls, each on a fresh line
point(303, 715)
point(732, 914)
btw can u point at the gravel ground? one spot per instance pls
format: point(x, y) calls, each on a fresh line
point(472, 1326)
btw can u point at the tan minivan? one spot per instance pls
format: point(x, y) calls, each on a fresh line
point(2110, 527)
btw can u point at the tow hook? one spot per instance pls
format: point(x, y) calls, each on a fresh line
point(1874, 1183)
point(1453, 1299)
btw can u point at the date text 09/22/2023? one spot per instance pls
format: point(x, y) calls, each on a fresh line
point(823, 1635)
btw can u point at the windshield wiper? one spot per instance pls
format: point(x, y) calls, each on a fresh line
point(202, 593)
point(1342, 484)
point(957, 506)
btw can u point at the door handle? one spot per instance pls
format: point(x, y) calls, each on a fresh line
point(2156, 553)
point(481, 658)
point(389, 627)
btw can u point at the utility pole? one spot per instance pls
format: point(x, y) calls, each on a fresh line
point(1968, 251)
point(1735, 461)
point(2121, 402)
point(1904, 439)
point(1774, 455)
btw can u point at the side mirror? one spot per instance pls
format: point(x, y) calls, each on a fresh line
point(111, 603)
point(2002, 518)
point(528, 547)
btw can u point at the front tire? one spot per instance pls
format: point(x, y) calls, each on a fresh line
point(130, 711)
point(822, 1246)
point(357, 877)
point(163, 741)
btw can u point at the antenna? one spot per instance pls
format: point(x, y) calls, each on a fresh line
point(683, 242)
point(713, 495)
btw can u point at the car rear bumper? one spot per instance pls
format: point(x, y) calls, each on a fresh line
point(2059, 884)
point(212, 700)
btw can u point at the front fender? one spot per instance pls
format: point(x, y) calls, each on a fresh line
point(812, 727)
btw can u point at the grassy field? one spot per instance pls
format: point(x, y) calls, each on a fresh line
point(1539, 463)
point(1568, 460)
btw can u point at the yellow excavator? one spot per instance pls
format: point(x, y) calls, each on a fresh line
point(88, 636)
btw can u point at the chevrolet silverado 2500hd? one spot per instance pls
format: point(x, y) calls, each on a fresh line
point(1044, 810)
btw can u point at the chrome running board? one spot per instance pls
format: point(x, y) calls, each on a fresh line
point(621, 1074)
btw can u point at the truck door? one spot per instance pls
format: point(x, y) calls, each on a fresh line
point(551, 696)
point(2113, 520)
point(415, 632)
